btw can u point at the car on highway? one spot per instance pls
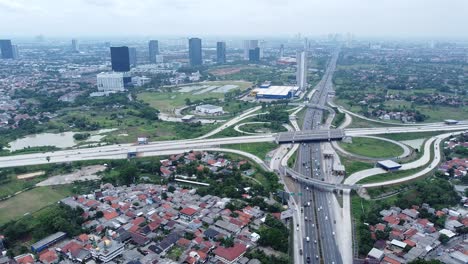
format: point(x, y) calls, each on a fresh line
point(308, 203)
point(297, 228)
point(300, 251)
point(313, 225)
point(326, 217)
point(315, 241)
point(305, 218)
point(308, 259)
point(333, 233)
point(307, 239)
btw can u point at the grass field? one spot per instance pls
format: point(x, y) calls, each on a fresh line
point(258, 149)
point(31, 201)
point(410, 136)
point(352, 166)
point(435, 113)
point(397, 174)
point(373, 148)
point(168, 101)
point(262, 128)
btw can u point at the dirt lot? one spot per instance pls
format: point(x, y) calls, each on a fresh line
point(226, 71)
point(86, 173)
point(30, 175)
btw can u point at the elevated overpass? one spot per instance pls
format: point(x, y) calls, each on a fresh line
point(317, 183)
point(310, 136)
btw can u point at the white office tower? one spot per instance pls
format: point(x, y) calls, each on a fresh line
point(301, 74)
point(262, 48)
point(249, 45)
point(110, 82)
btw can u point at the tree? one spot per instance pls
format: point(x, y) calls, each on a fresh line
point(444, 239)
point(99, 214)
point(171, 189)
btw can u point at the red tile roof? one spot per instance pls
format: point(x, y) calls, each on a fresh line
point(28, 259)
point(110, 215)
point(188, 211)
point(231, 253)
point(48, 256)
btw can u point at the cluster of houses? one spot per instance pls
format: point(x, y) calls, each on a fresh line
point(139, 223)
point(214, 162)
point(403, 235)
point(455, 167)
point(403, 116)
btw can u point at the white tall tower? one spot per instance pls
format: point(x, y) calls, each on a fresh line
point(301, 74)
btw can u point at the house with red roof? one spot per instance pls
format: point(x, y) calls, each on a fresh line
point(108, 215)
point(230, 255)
point(187, 213)
point(25, 259)
point(48, 257)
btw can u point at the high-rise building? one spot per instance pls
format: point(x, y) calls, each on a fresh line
point(249, 45)
point(6, 48)
point(221, 52)
point(301, 73)
point(120, 58)
point(132, 53)
point(153, 50)
point(15, 51)
point(281, 52)
point(75, 45)
point(254, 55)
point(195, 52)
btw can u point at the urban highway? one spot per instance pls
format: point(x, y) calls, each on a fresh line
point(319, 233)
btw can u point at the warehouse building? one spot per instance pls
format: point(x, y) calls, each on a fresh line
point(48, 241)
point(208, 109)
point(275, 92)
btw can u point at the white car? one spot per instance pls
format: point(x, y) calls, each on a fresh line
point(326, 217)
point(333, 233)
point(307, 239)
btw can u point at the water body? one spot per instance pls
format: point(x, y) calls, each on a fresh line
point(59, 140)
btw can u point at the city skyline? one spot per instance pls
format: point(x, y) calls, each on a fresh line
point(110, 18)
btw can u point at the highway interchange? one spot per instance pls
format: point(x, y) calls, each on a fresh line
point(317, 224)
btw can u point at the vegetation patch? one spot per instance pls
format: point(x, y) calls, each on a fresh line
point(371, 147)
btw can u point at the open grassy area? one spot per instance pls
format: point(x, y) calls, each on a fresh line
point(352, 166)
point(370, 147)
point(169, 101)
point(398, 174)
point(434, 113)
point(300, 117)
point(258, 149)
point(262, 128)
point(31, 201)
point(411, 136)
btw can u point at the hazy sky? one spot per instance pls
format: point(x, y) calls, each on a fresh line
point(406, 18)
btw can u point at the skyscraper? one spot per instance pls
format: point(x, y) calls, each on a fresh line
point(301, 73)
point(249, 45)
point(254, 55)
point(7, 49)
point(281, 53)
point(221, 52)
point(120, 58)
point(132, 56)
point(75, 45)
point(195, 52)
point(153, 50)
